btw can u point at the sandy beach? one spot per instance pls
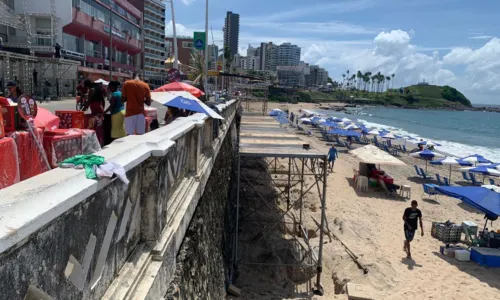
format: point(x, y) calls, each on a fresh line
point(370, 224)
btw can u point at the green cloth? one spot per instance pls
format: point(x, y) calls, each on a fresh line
point(86, 161)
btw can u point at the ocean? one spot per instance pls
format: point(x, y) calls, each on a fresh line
point(460, 133)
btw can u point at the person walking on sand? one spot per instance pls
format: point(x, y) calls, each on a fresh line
point(332, 155)
point(410, 217)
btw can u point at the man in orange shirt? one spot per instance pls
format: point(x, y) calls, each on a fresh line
point(135, 93)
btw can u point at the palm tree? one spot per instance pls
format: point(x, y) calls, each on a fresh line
point(393, 80)
point(359, 76)
point(366, 79)
point(374, 77)
point(196, 70)
point(343, 79)
point(388, 79)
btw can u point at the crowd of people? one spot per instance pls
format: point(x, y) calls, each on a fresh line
point(125, 119)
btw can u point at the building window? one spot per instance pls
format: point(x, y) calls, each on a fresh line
point(187, 45)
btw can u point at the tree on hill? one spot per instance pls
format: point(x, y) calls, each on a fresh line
point(451, 94)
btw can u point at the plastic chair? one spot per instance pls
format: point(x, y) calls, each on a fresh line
point(425, 175)
point(465, 176)
point(405, 189)
point(473, 179)
point(416, 170)
point(438, 178)
point(446, 182)
point(429, 191)
point(362, 183)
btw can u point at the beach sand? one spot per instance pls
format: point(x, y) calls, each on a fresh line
point(370, 224)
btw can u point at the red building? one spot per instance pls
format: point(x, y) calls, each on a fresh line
point(184, 48)
point(87, 38)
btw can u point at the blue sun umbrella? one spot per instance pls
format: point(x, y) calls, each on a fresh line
point(476, 158)
point(451, 161)
point(195, 105)
point(426, 155)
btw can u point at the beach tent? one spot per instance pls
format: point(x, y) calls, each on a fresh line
point(481, 198)
point(305, 121)
point(476, 158)
point(426, 155)
point(276, 112)
point(450, 161)
point(370, 154)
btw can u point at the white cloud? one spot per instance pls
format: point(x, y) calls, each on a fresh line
point(187, 2)
point(481, 37)
point(391, 43)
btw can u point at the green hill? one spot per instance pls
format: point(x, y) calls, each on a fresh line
point(415, 96)
point(446, 93)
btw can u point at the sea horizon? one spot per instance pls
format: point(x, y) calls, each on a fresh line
point(461, 133)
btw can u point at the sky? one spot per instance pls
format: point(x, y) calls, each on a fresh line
point(444, 42)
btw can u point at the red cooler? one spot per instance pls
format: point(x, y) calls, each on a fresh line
point(31, 162)
point(9, 162)
point(61, 144)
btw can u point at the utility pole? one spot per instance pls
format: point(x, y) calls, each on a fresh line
point(110, 44)
point(176, 60)
point(205, 71)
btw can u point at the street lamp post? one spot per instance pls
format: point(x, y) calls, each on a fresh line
point(176, 61)
point(110, 45)
point(205, 71)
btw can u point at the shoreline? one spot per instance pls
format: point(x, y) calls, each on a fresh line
point(370, 224)
point(327, 106)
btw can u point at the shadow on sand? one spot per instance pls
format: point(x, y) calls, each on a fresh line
point(410, 263)
point(489, 276)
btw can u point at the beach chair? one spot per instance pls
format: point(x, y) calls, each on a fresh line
point(416, 170)
point(438, 178)
point(425, 175)
point(387, 149)
point(492, 182)
point(473, 179)
point(465, 176)
point(430, 191)
point(446, 182)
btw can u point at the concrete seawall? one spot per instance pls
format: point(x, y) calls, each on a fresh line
point(63, 236)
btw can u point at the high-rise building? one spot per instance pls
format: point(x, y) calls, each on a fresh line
point(288, 55)
point(293, 76)
point(154, 54)
point(250, 63)
point(268, 53)
point(232, 32)
point(85, 31)
point(213, 51)
point(317, 76)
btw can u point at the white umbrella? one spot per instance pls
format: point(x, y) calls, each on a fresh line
point(306, 120)
point(345, 120)
point(483, 170)
point(374, 132)
point(352, 126)
point(100, 80)
point(389, 136)
point(184, 100)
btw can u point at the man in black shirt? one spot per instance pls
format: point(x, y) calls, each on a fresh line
point(410, 217)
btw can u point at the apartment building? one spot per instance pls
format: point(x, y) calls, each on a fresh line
point(288, 55)
point(232, 32)
point(184, 50)
point(293, 76)
point(268, 54)
point(154, 53)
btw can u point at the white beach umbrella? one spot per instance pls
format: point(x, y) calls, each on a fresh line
point(352, 126)
point(346, 120)
point(374, 132)
point(390, 135)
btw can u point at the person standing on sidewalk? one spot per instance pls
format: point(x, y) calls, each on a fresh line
point(135, 93)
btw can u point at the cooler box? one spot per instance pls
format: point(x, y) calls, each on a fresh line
point(90, 143)
point(2, 130)
point(487, 257)
point(9, 162)
point(71, 119)
point(10, 118)
point(61, 144)
point(31, 162)
point(151, 112)
point(148, 121)
point(462, 255)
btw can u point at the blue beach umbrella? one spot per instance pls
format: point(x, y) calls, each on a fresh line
point(484, 170)
point(476, 158)
point(350, 133)
point(426, 155)
point(450, 161)
point(195, 105)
